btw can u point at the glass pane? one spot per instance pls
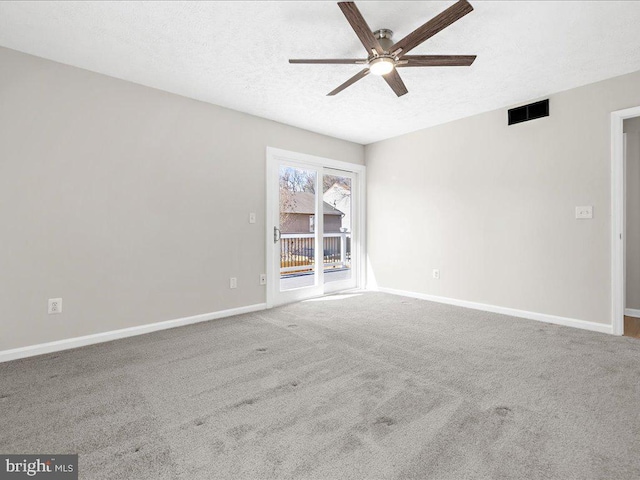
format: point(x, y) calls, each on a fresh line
point(297, 226)
point(336, 193)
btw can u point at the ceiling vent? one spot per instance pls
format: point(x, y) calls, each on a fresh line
point(529, 112)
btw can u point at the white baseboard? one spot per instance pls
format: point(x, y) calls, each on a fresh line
point(66, 344)
point(541, 317)
point(632, 312)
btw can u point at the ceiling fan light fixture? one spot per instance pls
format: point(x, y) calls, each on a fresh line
point(381, 66)
point(385, 57)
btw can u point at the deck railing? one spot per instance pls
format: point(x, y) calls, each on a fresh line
point(297, 251)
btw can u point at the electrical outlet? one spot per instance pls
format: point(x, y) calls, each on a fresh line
point(436, 274)
point(584, 213)
point(55, 306)
point(252, 217)
point(233, 282)
point(263, 279)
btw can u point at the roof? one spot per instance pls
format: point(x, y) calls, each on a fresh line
point(304, 202)
point(339, 197)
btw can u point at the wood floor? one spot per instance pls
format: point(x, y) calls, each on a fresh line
point(632, 327)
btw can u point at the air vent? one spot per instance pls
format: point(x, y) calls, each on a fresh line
point(529, 112)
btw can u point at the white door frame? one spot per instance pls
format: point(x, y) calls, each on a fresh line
point(358, 242)
point(617, 216)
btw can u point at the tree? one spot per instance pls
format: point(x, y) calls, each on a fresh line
point(292, 181)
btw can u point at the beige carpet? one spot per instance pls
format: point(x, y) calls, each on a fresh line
point(370, 386)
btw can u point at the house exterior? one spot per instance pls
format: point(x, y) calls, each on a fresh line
point(297, 214)
point(340, 198)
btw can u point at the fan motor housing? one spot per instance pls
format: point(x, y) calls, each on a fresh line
point(384, 37)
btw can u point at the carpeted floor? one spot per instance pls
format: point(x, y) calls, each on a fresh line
point(369, 386)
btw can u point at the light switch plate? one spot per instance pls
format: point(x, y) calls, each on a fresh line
point(252, 217)
point(584, 213)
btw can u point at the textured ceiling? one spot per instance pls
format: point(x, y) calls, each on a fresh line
point(235, 54)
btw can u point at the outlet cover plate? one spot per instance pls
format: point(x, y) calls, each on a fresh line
point(584, 213)
point(54, 306)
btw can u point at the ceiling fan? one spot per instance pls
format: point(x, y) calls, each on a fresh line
point(385, 56)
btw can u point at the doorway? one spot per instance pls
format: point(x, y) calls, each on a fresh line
point(631, 148)
point(625, 192)
point(315, 220)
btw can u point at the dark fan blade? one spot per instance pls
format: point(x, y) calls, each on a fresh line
point(395, 82)
point(433, 26)
point(351, 81)
point(437, 60)
point(359, 25)
point(336, 61)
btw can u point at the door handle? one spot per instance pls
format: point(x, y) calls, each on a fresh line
point(276, 234)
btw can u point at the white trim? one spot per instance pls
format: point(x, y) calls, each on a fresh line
point(270, 215)
point(632, 312)
point(617, 216)
point(288, 156)
point(541, 317)
point(66, 344)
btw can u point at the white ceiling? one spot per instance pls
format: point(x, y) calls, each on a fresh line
point(235, 54)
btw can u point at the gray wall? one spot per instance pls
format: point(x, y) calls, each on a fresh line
point(493, 206)
point(632, 259)
point(128, 202)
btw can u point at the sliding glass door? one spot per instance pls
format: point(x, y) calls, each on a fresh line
point(296, 232)
point(314, 216)
point(337, 187)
